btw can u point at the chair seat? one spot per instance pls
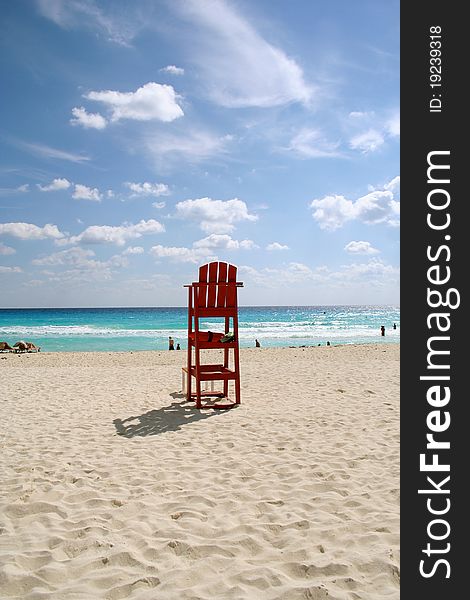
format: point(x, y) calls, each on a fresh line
point(203, 340)
point(203, 336)
point(213, 372)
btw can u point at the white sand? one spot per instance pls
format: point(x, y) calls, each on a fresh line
point(111, 486)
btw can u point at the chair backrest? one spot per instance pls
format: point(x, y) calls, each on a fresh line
point(217, 296)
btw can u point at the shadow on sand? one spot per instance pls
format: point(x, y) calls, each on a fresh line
point(167, 418)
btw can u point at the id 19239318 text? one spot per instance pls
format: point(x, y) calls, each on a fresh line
point(435, 69)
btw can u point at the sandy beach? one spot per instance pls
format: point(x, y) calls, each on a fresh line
point(112, 486)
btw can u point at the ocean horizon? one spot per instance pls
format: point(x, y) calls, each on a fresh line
point(148, 328)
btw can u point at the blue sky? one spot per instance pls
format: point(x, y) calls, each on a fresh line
point(141, 139)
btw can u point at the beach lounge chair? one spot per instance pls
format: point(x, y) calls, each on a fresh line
point(213, 296)
point(30, 347)
point(20, 346)
point(5, 347)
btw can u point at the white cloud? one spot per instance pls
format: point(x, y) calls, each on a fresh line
point(395, 207)
point(49, 152)
point(247, 244)
point(374, 272)
point(309, 143)
point(119, 235)
point(81, 263)
point(87, 120)
point(204, 249)
point(375, 269)
point(192, 145)
point(372, 130)
point(152, 101)
point(393, 126)
point(374, 207)
point(378, 206)
point(21, 189)
point(223, 242)
point(360, 247)
point(6, 250)
point(33, 283)
point(239, 66)
point(147, 189)
point(133, 250)
point(331, 212)
point(72, 256)
point(393, 185)
point(292, 273)
point(117, 26)
point(83, 192)
point(10, 269)
point(55, 185)
point(158, 204)
point(173, 70)
point(368, 141)
point(29, 231)
point(359, 114)
point(118, 260)
point(55, 10)
point(276, 246)
point(179, 254)
point(214, 216)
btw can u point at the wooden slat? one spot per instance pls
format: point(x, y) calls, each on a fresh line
point(212, 289)
point(215, 312)
point(202, 291)
point(231, 289)
point(222, 293)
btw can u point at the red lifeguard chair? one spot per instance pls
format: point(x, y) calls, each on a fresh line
point(214, 295)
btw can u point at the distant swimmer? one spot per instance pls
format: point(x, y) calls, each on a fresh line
point(382, 330)
point(171, 343)
point(394, 326)
point(257, 344)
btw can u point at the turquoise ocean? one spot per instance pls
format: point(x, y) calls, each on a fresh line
point(132, 329)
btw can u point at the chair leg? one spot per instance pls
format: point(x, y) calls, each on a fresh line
point(236, 360)
point(226, 361)
point(237, 377)
point(188, 374)
point(198, 376)
point(198, 392)
point(226, 357)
